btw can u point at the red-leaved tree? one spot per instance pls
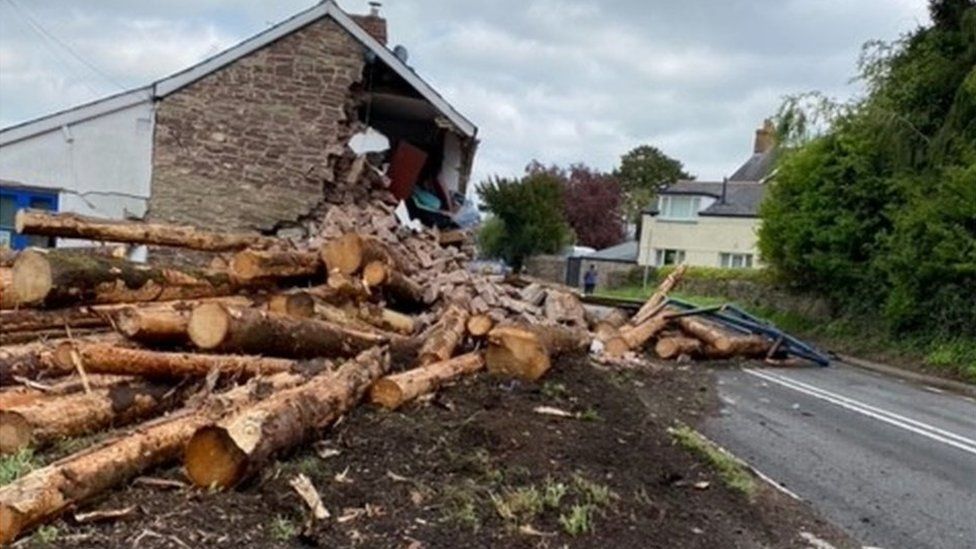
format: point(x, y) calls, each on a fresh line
point(593, 203)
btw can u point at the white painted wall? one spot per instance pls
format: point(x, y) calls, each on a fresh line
point(450, 174)
point(101, 166)
point(703, 240)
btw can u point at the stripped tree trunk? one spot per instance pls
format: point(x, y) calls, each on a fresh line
point(445, 337)
point(54, 279)
point(44, 493)
point(68, 225)
point(658, 297)
point(43, 421)
point(745, 345)
point(387, 319)
point(8, 299)
point(673, 347)
point(153, 326)
point(228, 329)
point(105, 358)
point(20, 395)
point(225, 452)
point(526, 352)
point(393, 391)
point(269, 264)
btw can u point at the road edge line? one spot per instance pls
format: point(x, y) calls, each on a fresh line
point(958, 387)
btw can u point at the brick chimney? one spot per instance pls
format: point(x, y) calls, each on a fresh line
point(373, 23)
point(765, 137)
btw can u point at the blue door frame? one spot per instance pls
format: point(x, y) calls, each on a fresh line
point(22, 198)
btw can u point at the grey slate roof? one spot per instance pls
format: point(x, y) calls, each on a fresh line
point(756, 168)
point(625, 252)
point(742, 198)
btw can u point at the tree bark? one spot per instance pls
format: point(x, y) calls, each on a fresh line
point(400, 288)
point(445, 337)
point(68, 225)
point(19, 338)
point(526, 352)
point(387, 319)
point(43, 421)
point(393, 391)
point(479, 325)
point(29, 360)
point(105, 358)
point(270, 264)
point(44, 493)
point(713, 336)
point(8, 299)
point(753, 346)
point(20, 395)
point(249, 331)
point(658, 297)
point(346, 288)
point(55, 279)
point(225, 452)
point(297, 303)
point(153, 326)
point(673, 347)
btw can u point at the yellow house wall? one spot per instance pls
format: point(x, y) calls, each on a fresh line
point(702, 240)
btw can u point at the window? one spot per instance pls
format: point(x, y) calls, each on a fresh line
point(668, 257)
point(683, 208)
point(735, 261)
point(13, 199)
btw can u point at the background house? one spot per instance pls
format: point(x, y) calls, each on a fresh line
point(711, 223)
point(246, 140)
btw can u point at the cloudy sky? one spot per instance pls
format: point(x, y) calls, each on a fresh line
point(556, 80)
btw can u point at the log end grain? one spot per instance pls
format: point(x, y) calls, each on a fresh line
point(616, 346)
point(515, 352)
point(15, 432)
point(299, 304)
point(375, 273)
point(32, 278)
point(479, 325)
point(213, 460)
point(386, 393)
point(209, 325)
point(343, 254)
point(246, 265)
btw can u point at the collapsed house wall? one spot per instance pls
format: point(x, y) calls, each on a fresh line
point(254, 143)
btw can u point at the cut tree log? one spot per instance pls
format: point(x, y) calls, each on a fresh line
point(44, 493)
point(564, 308)
point(343, 254)
point(479, 325)
point(709, 333)
point(29, 360)
point(346, 288)
point(753, 346)
point(105, 358)
point(446, 335)
point(153, 326)
point(297, 303)
point(53, 278)
point(632, 338)
point(658, 297)
point(273, 264)
point(398, 287)
point(229, 329)
point(95, 316)
point(395, 390)
point(526, 352)
point(69, 225)
point(673, 347)
point(222, 454)
point(8, 299)
point(346, 316)
point(387, 319)
point(20, 395)
point(43, 421)
point(18, 338)
point(374, 249)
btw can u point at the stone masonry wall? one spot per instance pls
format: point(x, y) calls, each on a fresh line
point(251, 145)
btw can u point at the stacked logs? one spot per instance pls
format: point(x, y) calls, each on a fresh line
point(225, 367)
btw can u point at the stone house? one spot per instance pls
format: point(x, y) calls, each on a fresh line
point(711, 223)
point(246, 140)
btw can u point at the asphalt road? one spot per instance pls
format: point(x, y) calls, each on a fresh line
point(891, 462)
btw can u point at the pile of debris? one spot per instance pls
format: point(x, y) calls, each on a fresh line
point(232, 365)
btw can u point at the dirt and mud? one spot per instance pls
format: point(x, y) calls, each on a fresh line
point(478, 466)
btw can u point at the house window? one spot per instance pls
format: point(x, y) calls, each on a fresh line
point(668, 257)
point(13, 199)
point(679, 208)
point(735, 261)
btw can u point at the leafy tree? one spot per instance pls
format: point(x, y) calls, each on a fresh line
point(593, 204)
point(876, 206)
point(643, 172)
point(528, 217)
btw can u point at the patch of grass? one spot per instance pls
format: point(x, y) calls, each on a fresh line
point(310, 465)
point(518, 504)
point(282, 528)
point(14, 466)
point(591, 492)
point(554, 390)
point(46, 534)
point(729, 469)
point(578, 521)
point(552, 493)
point(462, 506)
point(590, 414)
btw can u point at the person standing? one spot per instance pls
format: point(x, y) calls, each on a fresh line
point(589, 280)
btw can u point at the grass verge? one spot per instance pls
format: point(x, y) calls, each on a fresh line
point(732, 472)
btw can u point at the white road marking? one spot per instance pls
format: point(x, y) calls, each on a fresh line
point(940, 435)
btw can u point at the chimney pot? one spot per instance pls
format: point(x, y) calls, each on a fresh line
point(765, 137)
point(372, 23)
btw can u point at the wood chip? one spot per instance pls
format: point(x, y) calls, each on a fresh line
point(102, 516)
point(552, 411)
point(306, 490)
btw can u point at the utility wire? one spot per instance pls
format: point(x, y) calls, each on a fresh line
point(49, 37)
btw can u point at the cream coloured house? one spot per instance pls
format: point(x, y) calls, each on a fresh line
point(710, 223)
